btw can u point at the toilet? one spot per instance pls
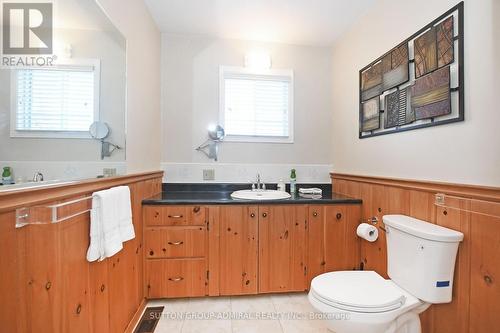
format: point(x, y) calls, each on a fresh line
point(421, 261)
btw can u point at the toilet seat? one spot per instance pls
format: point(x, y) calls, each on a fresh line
point(359, 291)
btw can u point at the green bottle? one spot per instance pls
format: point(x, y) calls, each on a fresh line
point(293, 181)
point(6, 176)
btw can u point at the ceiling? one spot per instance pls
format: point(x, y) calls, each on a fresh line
point(80, 14)
point(304, 22)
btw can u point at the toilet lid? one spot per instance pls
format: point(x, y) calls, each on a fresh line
point(358, 291)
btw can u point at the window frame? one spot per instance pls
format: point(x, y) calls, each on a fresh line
point(230, 71)
point(52, 134)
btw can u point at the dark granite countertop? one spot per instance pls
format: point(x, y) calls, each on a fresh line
point(220, 194)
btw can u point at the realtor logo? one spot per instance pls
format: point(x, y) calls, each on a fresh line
point(27, 28)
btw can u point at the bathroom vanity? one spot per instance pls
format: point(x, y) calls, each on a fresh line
point(201, 243)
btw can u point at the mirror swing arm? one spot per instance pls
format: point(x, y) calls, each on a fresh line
point(211, 146)
point(100, 131)
point(105, 148)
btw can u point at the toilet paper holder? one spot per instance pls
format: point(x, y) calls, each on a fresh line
point(373, 220)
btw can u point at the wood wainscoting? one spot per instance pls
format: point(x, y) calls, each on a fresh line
point(473, 210)
point(46, 283)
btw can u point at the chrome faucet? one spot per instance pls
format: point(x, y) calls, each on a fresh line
point(38, 177)
point(258, 185)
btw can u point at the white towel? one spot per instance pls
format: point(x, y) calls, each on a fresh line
point(95, 248)
point(110, 222)
point(125, 213)
point(312, 190)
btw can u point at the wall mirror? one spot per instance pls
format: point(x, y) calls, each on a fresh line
point(46, 112)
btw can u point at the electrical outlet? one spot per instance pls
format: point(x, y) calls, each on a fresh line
point(209, 174)
point(109, 172)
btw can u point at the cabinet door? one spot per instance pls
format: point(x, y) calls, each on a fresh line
point(315, 242)
point(282, 248)
point(340, 240)
point(238, 249)
point(332, 241)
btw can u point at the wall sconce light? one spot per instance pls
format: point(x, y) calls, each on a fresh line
point(259, 60)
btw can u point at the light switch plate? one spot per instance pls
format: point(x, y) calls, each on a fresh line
point(208, 174)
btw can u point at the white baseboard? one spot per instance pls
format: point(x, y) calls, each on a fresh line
point(243, 173)
point(62, 170)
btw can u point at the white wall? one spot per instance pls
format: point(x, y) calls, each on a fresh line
point(143, 124)
point(190, 102)
point(465, 152)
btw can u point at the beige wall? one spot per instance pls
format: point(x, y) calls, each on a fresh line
point(465, 152)
point(190, 100)
point(132, 18)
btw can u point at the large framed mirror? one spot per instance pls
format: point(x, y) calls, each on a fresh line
point(46, 111)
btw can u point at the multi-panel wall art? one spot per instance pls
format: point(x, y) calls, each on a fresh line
point(417, 84)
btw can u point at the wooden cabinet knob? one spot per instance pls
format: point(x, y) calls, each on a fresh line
point(151, 253)
point(78, 309)
point(379, 210)
point(338, 216)
point(252, 215)
point(315, 214)
point(264, 214)
point(196, 209)
point(48, 285)
point(103, 287)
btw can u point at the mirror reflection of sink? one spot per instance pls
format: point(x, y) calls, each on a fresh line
point(260, 195)
point(22, 186)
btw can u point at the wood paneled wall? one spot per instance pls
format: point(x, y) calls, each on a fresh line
point(475, 211)
point(46, 283)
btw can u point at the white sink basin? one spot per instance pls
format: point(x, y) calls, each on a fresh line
point(260, 195)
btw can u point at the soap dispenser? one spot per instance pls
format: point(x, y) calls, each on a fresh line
point(281, 186)
point(293, 181)
point(6, 176)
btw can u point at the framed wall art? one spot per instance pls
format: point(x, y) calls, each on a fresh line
point(417, 84)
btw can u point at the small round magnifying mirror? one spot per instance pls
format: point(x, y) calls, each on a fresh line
point(216, 133)
point(99, 130)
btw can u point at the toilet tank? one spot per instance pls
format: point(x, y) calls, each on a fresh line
point(421, 257)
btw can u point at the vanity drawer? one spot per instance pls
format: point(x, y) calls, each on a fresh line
point(176, 278)
point(175, 242)
point(174, 215)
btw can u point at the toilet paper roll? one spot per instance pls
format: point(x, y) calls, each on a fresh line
point(367, 231)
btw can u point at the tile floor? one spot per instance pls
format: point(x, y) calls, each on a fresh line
point(283, 313)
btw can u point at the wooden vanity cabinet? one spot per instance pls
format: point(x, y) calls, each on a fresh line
point(246, 249)
point(176, 248)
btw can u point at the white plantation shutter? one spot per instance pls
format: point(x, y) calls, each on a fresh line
point(55, 100)
point(257, 106)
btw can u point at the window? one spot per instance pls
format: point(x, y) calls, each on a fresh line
point(256, 107)
point(58, 102)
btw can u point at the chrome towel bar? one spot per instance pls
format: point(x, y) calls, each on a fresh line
point(49, 214)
